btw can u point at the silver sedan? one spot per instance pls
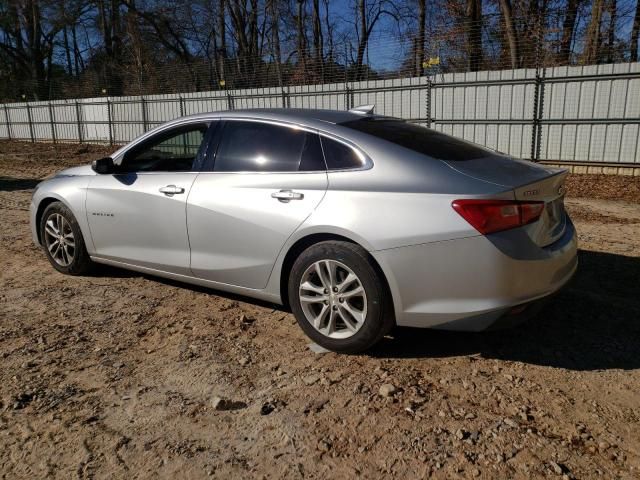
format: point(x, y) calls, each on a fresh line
point(357, 222)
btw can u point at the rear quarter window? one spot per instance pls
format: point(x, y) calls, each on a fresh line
point(419, 139)
point(340, 156)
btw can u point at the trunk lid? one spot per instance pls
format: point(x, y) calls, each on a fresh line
point(529, 182)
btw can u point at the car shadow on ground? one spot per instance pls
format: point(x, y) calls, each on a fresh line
point(593, 324)
point(10, 184)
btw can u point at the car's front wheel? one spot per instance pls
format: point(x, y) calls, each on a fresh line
point(62, 240)
point(339, 298)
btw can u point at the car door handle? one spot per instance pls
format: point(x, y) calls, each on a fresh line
point(171, 190)
point(286, 195)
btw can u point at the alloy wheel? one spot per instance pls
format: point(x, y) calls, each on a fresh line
point(59, 239)
point(333, 299)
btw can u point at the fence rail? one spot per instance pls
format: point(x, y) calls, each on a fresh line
point(586, 114)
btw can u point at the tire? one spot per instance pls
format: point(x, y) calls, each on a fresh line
point(70, 255)
point(359, 319)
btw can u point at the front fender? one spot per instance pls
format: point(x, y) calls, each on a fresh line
point(71, 191)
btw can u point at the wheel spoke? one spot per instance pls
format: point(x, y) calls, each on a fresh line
point(317, 322)
point(357, 315)
point(310, 287)
point(52, 245)
point(348, 321)
point(347, 281)
point(55, 253)
point(312, 299)
point(68, 254)
point(331, 324)
point(331, 271)
point(358, 291)
point(50, 228)
point(322, 275)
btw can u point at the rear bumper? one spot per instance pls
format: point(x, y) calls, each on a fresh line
point(470, 284)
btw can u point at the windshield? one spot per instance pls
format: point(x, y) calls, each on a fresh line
point(419, 139)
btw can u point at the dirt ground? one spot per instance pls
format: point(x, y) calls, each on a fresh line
point(116, 375)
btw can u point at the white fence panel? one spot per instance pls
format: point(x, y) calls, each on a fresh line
point(583, 114)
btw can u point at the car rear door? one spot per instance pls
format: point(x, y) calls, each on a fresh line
point(137, 215)
point(265, 180)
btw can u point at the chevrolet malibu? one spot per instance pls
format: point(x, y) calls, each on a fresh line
point(356, 222)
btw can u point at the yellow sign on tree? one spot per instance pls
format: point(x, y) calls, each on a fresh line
point(431, 62)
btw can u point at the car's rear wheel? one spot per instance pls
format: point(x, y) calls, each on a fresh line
point(62, 240)
point(339, 298)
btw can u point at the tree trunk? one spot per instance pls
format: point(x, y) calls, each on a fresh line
point(474, 34)
point(593, 40)
point(511, 32)
point(568, 28)
point(301, 38)
point(222, 34)
point(275, 39)
point(67, 50)
point(78, 62)
point(635, 34)
point(422, 20)
point(318, 41)
point(364, 38)
point(611, 34)
point(329, 31)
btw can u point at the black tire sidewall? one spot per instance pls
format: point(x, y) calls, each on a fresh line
point(376, 323)
point(81, 261)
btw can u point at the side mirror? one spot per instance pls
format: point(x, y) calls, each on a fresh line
point(103, 165)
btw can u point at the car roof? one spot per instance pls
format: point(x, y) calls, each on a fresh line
point(302, 116)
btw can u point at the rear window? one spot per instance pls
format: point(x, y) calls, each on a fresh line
point(419, 139)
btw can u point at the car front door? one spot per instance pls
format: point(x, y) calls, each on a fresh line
point(266, 179)
point(137, 215)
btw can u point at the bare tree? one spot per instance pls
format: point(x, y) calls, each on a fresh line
point(511, 32)
point(568, 30)
point(301, 37)
point(474, 33)
point(420, 38)
point(369, 13)
point(594, 35)
point(635, 31)
point(318, 41)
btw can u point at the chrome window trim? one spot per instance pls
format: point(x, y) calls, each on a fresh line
point(281, 123)
point(118, 156)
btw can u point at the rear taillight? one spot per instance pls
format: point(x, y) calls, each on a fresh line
point(489, 216)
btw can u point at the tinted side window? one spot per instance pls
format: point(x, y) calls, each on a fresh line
point(248, 146)
point(340, 156)
point(419, 139)
point(171, 151)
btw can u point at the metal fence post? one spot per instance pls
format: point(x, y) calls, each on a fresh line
point(347, 97)
point(30, 123)
point(52, 123)
point(285, 99)
point(78, 115)
point(144, 114)
point(428, 100)
point(540, 114)
point(538, 104)
point(6, 116)
point(230, 101)
point(181, 100)
point(110, 122)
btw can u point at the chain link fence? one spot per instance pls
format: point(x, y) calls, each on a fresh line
point(532, 92)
